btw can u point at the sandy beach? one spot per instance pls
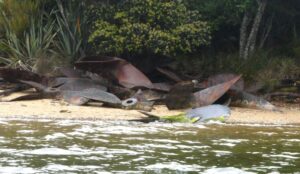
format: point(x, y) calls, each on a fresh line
point(56, 109)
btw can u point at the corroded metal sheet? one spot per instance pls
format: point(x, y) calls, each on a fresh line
point(129, 76)
point(74, 98)
point(122, 71)
point(138, 102)
point(221, 78)
point(100, 95)
point(210, 95)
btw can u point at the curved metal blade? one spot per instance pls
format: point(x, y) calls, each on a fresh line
point(74, 98)
point(209, 95)
point(100, 95)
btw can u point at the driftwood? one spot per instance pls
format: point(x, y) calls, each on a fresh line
point(13, 75)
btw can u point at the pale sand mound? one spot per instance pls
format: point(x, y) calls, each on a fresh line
point(56, 109)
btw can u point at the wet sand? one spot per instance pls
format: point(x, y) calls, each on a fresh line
point(56, 109)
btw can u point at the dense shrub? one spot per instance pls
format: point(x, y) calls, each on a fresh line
point(148, 27)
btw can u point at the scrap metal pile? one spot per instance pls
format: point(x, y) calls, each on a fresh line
point(114, 82)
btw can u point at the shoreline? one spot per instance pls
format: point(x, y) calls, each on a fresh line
point(55, 109)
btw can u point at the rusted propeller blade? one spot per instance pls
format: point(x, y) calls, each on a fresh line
point(74, 98)
point(125, 73)
point(129, 76)
point(210, 95)
point(100, 95)
point(138, 102)
point(222, 78)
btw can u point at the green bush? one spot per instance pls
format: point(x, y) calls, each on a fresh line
point(148, 27)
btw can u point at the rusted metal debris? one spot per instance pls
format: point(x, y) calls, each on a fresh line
point(138, 102)
point(73, 98)
point(129, 76)
point(100, 95)
point(117, 83)
point(221, 78)
point(210, 95)
point(117, 69)
point(76, 91)
point(125, 73)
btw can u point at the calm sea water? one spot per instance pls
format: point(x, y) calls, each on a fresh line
point(66, 146)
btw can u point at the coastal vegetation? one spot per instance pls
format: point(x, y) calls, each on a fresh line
point(259, 39)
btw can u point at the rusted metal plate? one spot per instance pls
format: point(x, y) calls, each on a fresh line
point(73, 97)
point(100, 95)
point(221, 78)
point(129, 76)
point(138, 102)
point(210, 95)
point(102, 65)
point(125, 73)
point(169, 74)
point(82, 97)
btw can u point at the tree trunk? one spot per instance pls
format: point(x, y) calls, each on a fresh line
point(251, 40)
point(243, 32)
point(266, 32)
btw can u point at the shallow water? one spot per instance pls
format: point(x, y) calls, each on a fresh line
point(66, 146)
